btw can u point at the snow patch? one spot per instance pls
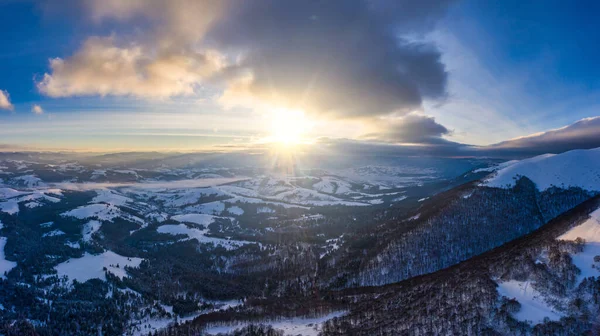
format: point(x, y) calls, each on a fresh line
point(5, 265)
point(91, 266)
point(89, 229)
point(53, 233)
point(199, 235)
point(106, 212)
point(200, 219)
point(235, 210)
point(533, 306)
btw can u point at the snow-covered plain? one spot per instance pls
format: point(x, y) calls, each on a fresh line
point(91, 266)
point(576, 168)
point(533, 306)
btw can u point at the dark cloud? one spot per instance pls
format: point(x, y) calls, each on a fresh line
point(412, 128)
point(341, 58)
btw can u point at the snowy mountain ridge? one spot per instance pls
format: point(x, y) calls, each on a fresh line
point(577, 168)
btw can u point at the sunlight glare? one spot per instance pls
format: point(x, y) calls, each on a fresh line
point(288, 127)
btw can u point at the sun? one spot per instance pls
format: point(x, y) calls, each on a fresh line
point(288, 127)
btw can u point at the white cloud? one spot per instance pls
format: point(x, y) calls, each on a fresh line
point(103, 68)
point(5, 103)
point(37, 109)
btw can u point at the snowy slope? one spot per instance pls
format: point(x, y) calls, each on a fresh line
point(577, 168)
point(590, 231)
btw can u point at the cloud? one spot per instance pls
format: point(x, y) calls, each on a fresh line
point(37, 109)
point(340, 58)
point(343, 59)
point(412, 128)
point(103, 68)
point(583, 134)
point(5, 103)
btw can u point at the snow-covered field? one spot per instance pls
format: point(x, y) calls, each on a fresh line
point(290, 326)
point(533, 305)
point(92, 266)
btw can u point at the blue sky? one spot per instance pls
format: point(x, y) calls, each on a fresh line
point(472, 72)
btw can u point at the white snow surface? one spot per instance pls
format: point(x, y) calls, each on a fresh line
point(91, 266)
point(290, 326)
point(201, 219)
point(576, 168)
point(533, 306)
point(235, 210)
point(590, 231)
point(5, 265)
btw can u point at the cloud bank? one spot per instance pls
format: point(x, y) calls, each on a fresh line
point(583, 134)
point(426, 141)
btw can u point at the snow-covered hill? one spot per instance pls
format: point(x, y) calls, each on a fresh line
point(577, 168)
